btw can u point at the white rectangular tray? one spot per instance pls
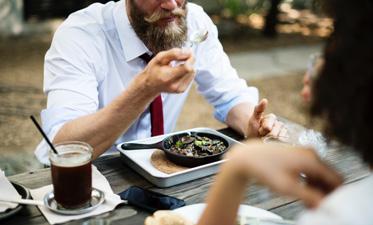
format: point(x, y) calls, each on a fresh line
point(139, 160)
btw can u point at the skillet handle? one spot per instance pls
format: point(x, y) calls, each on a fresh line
point(137, 146)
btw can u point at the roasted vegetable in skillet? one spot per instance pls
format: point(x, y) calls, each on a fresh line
point(197, 146)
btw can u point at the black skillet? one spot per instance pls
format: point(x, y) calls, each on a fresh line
point(179, 159)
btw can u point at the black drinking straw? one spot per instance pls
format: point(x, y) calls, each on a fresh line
point(44, 135)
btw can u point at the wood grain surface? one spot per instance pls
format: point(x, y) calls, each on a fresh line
point(121, 177)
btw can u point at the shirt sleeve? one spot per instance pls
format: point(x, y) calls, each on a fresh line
point(319, 218)
point(217, 80)
point(349, 204)
point(71, 79)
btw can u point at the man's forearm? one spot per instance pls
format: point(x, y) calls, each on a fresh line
point(103, 127)
point(238, 118)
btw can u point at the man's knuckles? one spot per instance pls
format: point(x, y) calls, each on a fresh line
point(189, 69)
point(265, 129)
point(177, 88)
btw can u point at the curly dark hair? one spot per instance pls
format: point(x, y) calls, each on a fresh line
point(343, 93)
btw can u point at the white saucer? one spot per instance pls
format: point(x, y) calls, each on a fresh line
point(194, 212)
point(98, 197)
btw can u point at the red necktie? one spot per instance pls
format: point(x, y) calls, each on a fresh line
point(156, 108)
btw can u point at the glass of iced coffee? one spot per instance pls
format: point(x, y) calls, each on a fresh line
point(72, 174)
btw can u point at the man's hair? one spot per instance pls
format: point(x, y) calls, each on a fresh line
point(343, 93)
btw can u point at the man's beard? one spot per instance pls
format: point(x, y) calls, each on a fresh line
point(156, 37)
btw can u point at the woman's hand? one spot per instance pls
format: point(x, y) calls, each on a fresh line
point(279, 167)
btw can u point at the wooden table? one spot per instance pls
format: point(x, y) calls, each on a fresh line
point(121, 177)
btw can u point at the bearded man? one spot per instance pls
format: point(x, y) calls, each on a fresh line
point(120, 71)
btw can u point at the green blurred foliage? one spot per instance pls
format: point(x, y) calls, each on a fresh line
point(237, 7)
point(233, 8)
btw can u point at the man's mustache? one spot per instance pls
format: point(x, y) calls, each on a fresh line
point(179, 12)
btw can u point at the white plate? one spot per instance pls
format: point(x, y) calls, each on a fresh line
point(23, 191)
point(194, 212)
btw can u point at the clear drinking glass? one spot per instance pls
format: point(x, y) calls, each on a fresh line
point(298, 135)
point(72, 174)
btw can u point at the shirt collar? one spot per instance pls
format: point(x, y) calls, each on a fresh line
point(132, 46)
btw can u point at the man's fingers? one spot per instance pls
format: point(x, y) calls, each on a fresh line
point(260, 108)
point(190, 61)
point(276, 129)
point(184, 82)
point(180, 77)
point(182, 70)
point(165, 57)
point(267, 124)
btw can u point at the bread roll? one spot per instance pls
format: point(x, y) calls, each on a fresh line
point(166, 217)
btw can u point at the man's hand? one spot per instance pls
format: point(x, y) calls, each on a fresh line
point(280, 167)
point(161, 76)
point(249, 120)
point(265, 125)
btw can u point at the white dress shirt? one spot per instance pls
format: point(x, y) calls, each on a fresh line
point(349, 205)
point(95, 54)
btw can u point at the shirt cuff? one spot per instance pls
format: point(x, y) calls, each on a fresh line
point(222, 110)
point(42, 150)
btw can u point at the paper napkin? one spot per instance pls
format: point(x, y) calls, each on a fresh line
point(7, 191)
point(98, 181)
